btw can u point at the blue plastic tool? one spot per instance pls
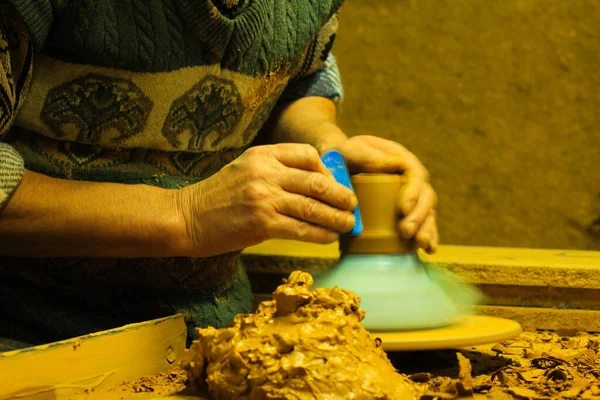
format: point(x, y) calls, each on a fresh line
point(334, 161)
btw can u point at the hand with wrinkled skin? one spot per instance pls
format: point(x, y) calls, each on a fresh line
point(417, 200)
point(279, 191)
point(313, 120)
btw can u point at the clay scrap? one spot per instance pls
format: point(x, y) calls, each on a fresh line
point(536, 366)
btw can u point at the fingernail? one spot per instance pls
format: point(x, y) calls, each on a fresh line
point(432, 247)
point(427, 240)
point(409, 229)
point(350, 221)
point(354, 202)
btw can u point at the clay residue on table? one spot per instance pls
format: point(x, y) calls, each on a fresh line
point(536, 366)
point(171, 383)
point(303, 344)
point(163, 383)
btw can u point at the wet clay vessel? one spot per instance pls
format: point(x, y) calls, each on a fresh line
point(397, 291)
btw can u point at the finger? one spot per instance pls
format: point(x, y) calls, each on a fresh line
point(381, 155)
point(433, 244)
point(425, 235)
point(314, 212)
point(318, 186)
point(301, 156)
point(289, 228)
point(415, 180)
point(386, 156)
point(413, 221)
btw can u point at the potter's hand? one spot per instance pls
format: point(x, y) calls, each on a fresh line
point(417, 199)
point(280, 191)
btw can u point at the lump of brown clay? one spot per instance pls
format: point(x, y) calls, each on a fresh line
point(303, 344)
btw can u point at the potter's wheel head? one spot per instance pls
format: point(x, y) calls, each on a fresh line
point(469, 331)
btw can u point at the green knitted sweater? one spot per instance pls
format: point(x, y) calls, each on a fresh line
point(161, 92)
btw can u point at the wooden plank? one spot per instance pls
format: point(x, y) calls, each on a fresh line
point(488, 265)
point(541, 296)
point(99, 360)
point(522, 267)
point(546, 318)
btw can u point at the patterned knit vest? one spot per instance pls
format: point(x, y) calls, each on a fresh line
point(159, 92)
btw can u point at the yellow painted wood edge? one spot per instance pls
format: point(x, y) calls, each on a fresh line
point(95, 361)
point(449, 254)
point(292, 248)
point(516, 257)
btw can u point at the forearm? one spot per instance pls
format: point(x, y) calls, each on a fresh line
point(309, 120)
point(62, 218)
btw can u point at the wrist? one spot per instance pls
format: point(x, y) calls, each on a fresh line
point(162, 231)
point(310, 120)
point(328, 136)
point(178, 237)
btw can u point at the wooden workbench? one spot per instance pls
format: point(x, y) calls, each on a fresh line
point(544, 289)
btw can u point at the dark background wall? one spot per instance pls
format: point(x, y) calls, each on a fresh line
point(499, 99)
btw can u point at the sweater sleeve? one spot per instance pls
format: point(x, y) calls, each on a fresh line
point(325, 82)
point(15, 75)
point(12, 169)
point(318, 74)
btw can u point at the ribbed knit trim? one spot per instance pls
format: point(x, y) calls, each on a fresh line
point(38, 17)
point(207, 23)
point(248, 25)
point(12, 169)
point(219, 32)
